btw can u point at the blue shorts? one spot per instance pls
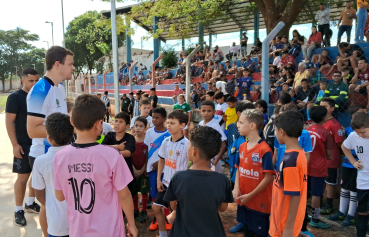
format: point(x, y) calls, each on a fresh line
point(153, 184)
point(256, 221)
point(316, 185)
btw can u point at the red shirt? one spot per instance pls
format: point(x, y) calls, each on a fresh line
point(322, 140)
point(139, 157)
point(317, 38)
point(335, 128)
point(364, 76)
point(253, 164)
point(289, 60)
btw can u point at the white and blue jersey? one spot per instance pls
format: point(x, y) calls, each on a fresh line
point(44, 99)
point(153, 140)
point(346, 163)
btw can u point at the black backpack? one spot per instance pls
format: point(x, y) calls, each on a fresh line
point(269, 134)
point(230, 87)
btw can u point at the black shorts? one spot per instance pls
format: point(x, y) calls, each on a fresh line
point(362, 201)
point(256, 221)
point(159, 200)
point(333, 175)
point(363, 91)
point(22, 166)
point(31, 160)
point(348, 181)
point(316, 185)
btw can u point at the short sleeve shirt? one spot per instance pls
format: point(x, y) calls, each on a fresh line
point(346, 163)
point(140, 155)
point(153, 140)
point(336, 129)
point(149, 122)
point(364, 2)
point(245, 83)
point(185, 107)
point(289, 60)
point(364, 76)
point(232, 116)
point(220, 109)
point(110, 139)
point(155, 99)
point(125, 102)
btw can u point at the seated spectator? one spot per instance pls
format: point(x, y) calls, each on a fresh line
point(277, 44)
point(248, 63)
point(227, 66)
point(347, 74)
point(322, 61)
point(204, 72)
point(286, 46)
point(277, 59)
point(221, 86)
point(143, 67)
point(314, 77)
point(177, 91)
point(305, 95)
point(288, 60)
point(233, 51)
point(183, 52)
point(338, 91)
point(216, 56)
point(323, 86)
point(207, 57)
point(297, 42)
point(350, 55)
point(315, 41)
point(233, 69)
point(219, 52)
point(302, 73)
point(256, 50)
point(257, 43)
point(285, 76)
point(219, 74)
point(362, 74)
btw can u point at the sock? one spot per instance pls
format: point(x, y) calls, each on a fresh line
point(330, 201)
point(344, 200)
point(30, 201)
point(353, 203)
point(163, 234)
point(153, 200)
point(308, 114)
point(135, 203)
point(166, 212)
point(316, 214)
point(145, 199)
point(361, 225)
point(304, 224)
point(18, 208)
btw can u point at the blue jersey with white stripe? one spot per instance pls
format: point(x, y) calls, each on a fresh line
point(153, 140)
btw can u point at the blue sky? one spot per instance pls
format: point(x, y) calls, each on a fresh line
point(31, 15)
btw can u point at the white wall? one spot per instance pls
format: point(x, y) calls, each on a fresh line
point(15, 83)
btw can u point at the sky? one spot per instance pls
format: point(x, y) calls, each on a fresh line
point(31, 15)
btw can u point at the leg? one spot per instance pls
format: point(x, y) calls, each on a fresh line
point(310, 51)
point(333, 69)
point(43, 220)
point(352, 93)
point(316, 58)
point(340, 33)
point(324, 67)
point(362, 209)
point(159, 217)
point(348, 33)
point(20, 186)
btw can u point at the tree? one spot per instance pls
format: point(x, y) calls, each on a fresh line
point(169, 59)
point(34, 56)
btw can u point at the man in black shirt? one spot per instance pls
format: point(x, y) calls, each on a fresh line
point(16, 126)
point(153, 98)
point(305, 95)
point(125, 103)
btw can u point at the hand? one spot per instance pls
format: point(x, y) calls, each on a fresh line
point(356, 70)
point(236, 193)
point(171, 217)
point(155, 166)
point(160, 186)
point(122, 146)
point(18, 151)
point(244, 199)
point(132, 230)
point(215, 162)
point(357, 88)
point(287, 233)
point(358, 165)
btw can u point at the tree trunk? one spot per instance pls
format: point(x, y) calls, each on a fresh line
point(3, 81)
point(11, 77)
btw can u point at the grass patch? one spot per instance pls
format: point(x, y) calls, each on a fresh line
point(3, 99)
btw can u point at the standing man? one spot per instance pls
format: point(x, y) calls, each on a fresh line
point(153, 99)
point(16, 121)
point(45, 98)
point(362, 7)
point(106, 101)
point(347, 15)
point(323, 18)
point(243, 44)
point(125, 103)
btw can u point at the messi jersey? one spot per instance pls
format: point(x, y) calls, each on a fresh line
point(153, 140)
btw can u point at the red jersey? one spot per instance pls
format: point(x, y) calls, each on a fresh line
point(289, 60)
point(139, 157)
point(364, 76)
point(335, 128)
point(253, 164)
point(322, 140)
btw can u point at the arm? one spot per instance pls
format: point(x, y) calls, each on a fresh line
point(356, 163)
point(292, 212)
point(268, 179)
point(10, 128)
point(59, 195)
point(223, 148)
point(275, 156)
point(161, 164)
point(35, 127)
point(223, 207)
point(40, 195)
point(236, 189)
point(126, 202)
point(189, 118)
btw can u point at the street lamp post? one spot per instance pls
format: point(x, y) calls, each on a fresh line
point(52, 30)
point(34, 67)
point(47, 43)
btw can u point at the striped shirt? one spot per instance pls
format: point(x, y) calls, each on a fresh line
point(106, 101)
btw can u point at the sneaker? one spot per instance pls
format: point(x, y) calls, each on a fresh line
point(34, 208)
point(319, 224)
point(168, 226)
point(338, 216)
point(326, 209)
point(154, 225)
point(143, 216)
point(19, 218)
point(349, 220)
point(306, 233)
point(136, 214)
point(237, 228)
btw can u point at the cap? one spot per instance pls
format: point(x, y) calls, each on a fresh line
point(310, 65)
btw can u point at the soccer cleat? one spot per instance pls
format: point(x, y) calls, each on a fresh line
point(149, 203)
point(136, 214)
point(338, 216)
point(319, 224)
point(306, 233)
point(326, 209)
point(34, 208)
point(143, 216)
point(154, 225)
point(168, 226)
point(349, 220)
point(237, 228)
point(19, 218)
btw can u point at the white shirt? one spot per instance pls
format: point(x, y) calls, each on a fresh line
point(148, 118)
point(323, 16)
point(175, 156)
point(234, 49)
point(107, 128)
point(361, 146)
point(44, 99)
point(221, 109)
point(43, 178)
point(222, 85)
point(153, 141)
point(277, 61)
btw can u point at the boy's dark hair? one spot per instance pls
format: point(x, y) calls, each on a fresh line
point(338, 72)
point(242, 105)
point(288, 107)
point(207, 140)
point(345, 68)
point(360, 120)
point(218, 95)
point(141, 119)
point(153, 89)
point(246, 70)
point(210, 93)
point(330, 101)
point(285, 99)
point(285, 83)
point(180, 115)
point(87, 110)
point(208, 102)
point(318, 113)
point(106, 93)
point(29, 71)
point(254, 116)
point(161, 111)
point(232, 99)
point(277, 108)
point(354, 108)
point(285, 52)
point(363, 59)
point(291, 122)
point(54, 54)
point(144, 102)
point(59, 128)
point(130, 93)
point(262, 104)
point(324, 82)
point(304, 80)
point(69, 106)
point(124, 116)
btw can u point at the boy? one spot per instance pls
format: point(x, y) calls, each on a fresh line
point(173, 157)
point(317, 166)
point(196, 213)
point(348, 197)
point(125, 103)
point(334, 164)
point(207, 111)
point(254, 178)
point(153, 139)
point(290, 183)
point(145, 108)
point(182, 105)
point(220, 108)
point(59, 133)
point(358, 141)
point(285, 89)
point(245, 84)
point(236, 92)
point(139, 159)
point(230, 115)
point(100, 170)
point(269, 134)
point(153, 98)
point(210, 96)
point(136, 110)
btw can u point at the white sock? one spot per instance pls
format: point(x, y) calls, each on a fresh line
point(163, 234)
point(353, 203)
point(18, 208)
point(30, 201)
point(316, 213)
point(344, 200)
